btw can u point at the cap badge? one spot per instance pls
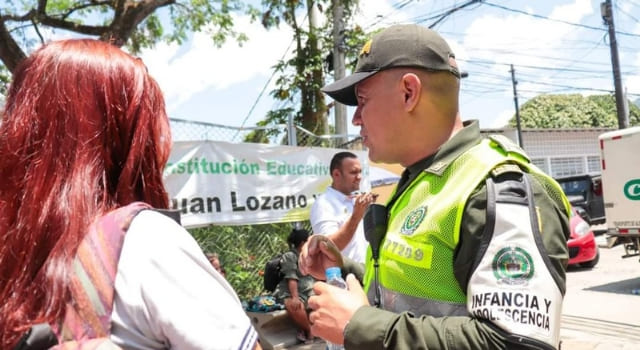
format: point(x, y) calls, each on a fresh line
point(366, 48)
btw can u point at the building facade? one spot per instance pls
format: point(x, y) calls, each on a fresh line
point(560, 152)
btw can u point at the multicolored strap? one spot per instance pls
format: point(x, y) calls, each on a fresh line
point(87, 322)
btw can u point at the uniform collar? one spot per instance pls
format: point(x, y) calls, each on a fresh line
point(463, 140)
point(438, 162)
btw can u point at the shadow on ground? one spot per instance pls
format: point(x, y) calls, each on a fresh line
point(630, 286)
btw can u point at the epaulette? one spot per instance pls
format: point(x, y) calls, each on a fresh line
point(508, 146)
point(504, 169)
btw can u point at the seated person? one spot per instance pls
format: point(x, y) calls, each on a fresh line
point(214, 259)
point(295, 288)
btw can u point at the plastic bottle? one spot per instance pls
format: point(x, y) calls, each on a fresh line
point(334, 278)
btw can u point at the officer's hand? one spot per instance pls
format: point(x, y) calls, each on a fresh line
point(318, 254)
point(333, 308)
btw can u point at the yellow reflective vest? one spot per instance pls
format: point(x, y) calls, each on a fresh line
point(416, 256)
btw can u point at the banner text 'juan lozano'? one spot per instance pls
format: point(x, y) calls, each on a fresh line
point(204, 205)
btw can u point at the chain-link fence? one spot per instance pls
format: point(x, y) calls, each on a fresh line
point(244, 250)
point(186, 130)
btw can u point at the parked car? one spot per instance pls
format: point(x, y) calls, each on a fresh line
point(585, 193)
point(583, 250)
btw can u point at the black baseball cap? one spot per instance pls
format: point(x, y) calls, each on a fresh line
point(406, 45)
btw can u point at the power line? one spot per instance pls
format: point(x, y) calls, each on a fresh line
point(572, 87)
point(480, 86)
point(446, 13)
point(396, 8)
point(553, 19)
point(550, 58)
point(264, 88)
point(626, 13)
point(499, 83)
point(535, 67)
point(568, 44)
point(578, 63)
point(572, 74)
point(484, 84)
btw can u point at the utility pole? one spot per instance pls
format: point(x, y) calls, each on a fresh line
point(514, 82)
point(607, 16)
point(340, 110)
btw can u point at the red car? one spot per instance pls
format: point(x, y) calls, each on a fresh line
point(583, 249)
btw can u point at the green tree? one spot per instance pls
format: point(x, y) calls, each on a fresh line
point(134, 23)
point(572, 111)
point(4, 82)
point(300, 77)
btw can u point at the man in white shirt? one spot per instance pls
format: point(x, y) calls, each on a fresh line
point(338, 212)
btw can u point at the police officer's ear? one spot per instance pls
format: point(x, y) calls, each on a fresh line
point(411, 86)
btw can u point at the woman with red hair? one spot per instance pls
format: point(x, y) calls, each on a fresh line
point(84, 139)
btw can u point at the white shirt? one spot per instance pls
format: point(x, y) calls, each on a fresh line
point(168, 296)
point(329, 212)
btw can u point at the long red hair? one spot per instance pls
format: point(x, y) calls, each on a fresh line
point(84, 131)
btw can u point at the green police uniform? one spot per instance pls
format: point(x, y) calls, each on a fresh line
point(436, 228)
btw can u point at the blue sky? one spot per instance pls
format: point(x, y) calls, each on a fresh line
point(555, 46)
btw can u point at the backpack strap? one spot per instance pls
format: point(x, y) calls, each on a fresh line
point(88, 314)
point(39, 336)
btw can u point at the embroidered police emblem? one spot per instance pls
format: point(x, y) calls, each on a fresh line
point(413, 220)
point(513, 266)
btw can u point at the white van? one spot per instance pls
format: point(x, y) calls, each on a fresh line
point(620, 151)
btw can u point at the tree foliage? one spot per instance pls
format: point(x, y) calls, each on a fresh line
point(572, 111)
point(4, 82)
point(137, 24)
point(300, 77)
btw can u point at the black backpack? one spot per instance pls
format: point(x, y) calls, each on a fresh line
point(272, 274)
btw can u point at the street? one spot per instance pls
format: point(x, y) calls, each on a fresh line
point(599, 311)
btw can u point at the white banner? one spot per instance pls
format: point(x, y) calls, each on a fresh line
point(215, 182)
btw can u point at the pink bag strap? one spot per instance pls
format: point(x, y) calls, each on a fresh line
point(88, 314)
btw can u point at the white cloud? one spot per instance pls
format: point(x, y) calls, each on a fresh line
point(572, 12)
point(632, 82)
point(494, 36)
point(504, 38)
point(502, 119)
point(515, 34)
point(204, 66)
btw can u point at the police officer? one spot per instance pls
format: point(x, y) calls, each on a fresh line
point(474, 254)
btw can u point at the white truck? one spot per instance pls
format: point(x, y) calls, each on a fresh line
point(620, 154)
